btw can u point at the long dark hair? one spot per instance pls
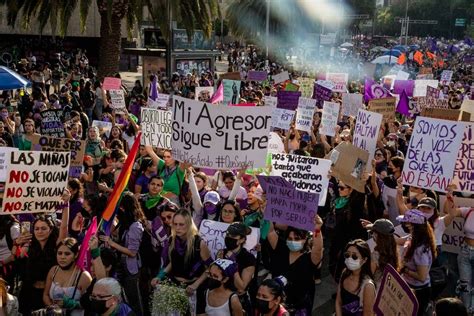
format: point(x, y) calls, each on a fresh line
point(50, 246)
point(75, 184)
point(365, 271)
point(422, 236)
point(6, 222)
point(132, 212)
point(388, 253)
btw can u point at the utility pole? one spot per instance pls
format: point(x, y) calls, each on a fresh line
point(267, 32)
point(406, 23)
point(170, 41)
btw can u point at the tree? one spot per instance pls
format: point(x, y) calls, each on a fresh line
point(188, 13)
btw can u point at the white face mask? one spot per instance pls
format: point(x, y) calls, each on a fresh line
point(466, 194)
point(428, 215)
point(352, 264)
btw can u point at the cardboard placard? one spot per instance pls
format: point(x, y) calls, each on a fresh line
point(306, 87)
point(432, 103)
point(231, 91)
point(304, 115)
point(432, 152)
point(77, 148)
point(288, 100)
point(213, 234)
point(52, 123)
point(281, 77)
point(217, 137)
point(204, 94)
point(111, 83)
point(446, 76)
point(432, 92)
point(282, 118)
point(395, 298)
point(348, 165)
point(420, 87)
point(453, 236)
point(35, 181)
point(366, 132)
point(385, 106)
point(5, 153)
point(163, 101)
point(329, 118)
point(231, 76)
point(446, 114)
point(104, 127)
point(304, 173)
point(351, 103)
point(156, 128)
point(468, 107)
point(464, 170)
point(117, 101)
point(286, 205)
point(339, 80)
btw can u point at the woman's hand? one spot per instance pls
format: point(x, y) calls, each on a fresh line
point(23, 239)
point(365, 222)
point(155, 282)
point(190, 289)
point(66, 196)
point(93, 243)
point(318, 222)
point(107, 240)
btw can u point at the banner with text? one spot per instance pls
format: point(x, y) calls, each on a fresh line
point(339, 80)
point(351, 103)
point(52, 123)
point(432, 152)
point(156, 128)
point(305, 113)
point(117, 101)
point(220, 137)
point(464, 170)
point(384, 106)
point(329, 118)
point(366, 133)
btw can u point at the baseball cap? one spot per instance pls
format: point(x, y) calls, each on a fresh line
point(382, 226)
point(227, 266)
point(428, 202)
point(212, 197)
point(238, 229)
point(413, 217)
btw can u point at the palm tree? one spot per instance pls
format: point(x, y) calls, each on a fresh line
point(190, 14)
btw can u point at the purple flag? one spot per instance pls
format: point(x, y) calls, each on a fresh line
point(154, 89)
point(404, 85)
point(374, 91)
point(403, 104)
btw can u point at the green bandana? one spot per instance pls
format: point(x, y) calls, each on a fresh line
point(341, 202)
point(152, 201)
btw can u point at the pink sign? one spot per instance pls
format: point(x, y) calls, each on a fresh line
point(111, 83)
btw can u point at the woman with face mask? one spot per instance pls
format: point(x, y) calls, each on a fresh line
point(270, 298)
point(221, 300)
point(419, 253)
point(65, 282)
point(292, 257)
point(107, 299)
point(234, 250)
point(356, 290)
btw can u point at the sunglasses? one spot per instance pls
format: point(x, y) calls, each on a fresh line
point(378, 155)
point(349, 255)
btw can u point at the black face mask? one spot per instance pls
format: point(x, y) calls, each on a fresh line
point(98, 306)
point(213, 283)
point(230, 243)
point(263, 306)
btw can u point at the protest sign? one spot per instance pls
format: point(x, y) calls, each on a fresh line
point(270, 101)
point(385, 106)
point(429, 102)
point(348, 165)
point(217, 137)
point(231, 76)
point(204, 94)
point(468, 107)
point(77, 149)
point(395, 298)
point(464, 169)
point(35, 181)
point(446, 114)
point(425, 71)
point(322, 92)
point(104, 127)
point(446, 76)
point(156, 128)
point(366, 133)
point(329, 118)
point(213, 234)
point(431, 154)
point(304, 173)
point(304, 115)
point(286, 205)
point(117, 101)
point(407, 85)
point(389, 199)
point(288, 100)
point(432, 92)
point(339, 80)
point(231, 91)
point(351, 103)
point(389, 81)
point(420, 87)
point(51, 123)
point(281, 77)
point(291, 87)
point(402, 75)
point(5, 153)
point(111, 83)
point(306, 87)
point(163, 101)
point(257, 75)
point(275, 144)
point(453, 236)
point(282, 118)
point(425, 77)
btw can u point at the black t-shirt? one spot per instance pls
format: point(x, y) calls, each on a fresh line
point(299, 274)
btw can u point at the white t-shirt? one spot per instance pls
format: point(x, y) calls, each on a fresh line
point(14, 233)
point(469, 223)
point(439, 228)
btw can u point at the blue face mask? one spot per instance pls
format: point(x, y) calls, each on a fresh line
point(294, 245)
point(210, 208)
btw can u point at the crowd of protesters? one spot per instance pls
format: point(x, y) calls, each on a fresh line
point(155, 238)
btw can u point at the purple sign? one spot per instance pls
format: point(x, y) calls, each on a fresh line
point(395, 296)
point(286, 205)
point(407, 85)
point(288, 100)
point(257, 75)
point(322, 92)
point(432, 92)
point(51, 123)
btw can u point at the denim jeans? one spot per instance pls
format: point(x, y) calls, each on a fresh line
point(466, 264)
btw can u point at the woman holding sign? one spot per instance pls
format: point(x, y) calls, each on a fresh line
point(292, 257)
